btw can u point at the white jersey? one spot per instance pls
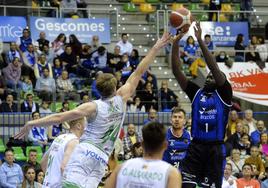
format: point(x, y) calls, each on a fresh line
point(103, 131)
point(55, 157)
point(141, 173)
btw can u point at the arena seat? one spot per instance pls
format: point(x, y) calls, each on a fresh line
point(123, 1)
point(182, 1)
point(130, 7)
point(72, 104)
point(236, 1)
point(167, 1)
point(162, 6)
point(146, 8)
point(206, 2)
point(2, 146)
point(195, 1)
point(176, 6)
point(18, 154)
point(55, 106)
point(152, 1)
point(138, 1)
point(194, 6)
point(225, 1)
point(226, 7)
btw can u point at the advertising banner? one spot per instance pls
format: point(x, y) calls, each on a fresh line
point(222, 33)
point(11, 28)
point(248, 81)
point(83, 28)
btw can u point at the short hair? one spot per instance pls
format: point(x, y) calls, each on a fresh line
point(45, 68)
point(229, 164)
point(106, 84)
point(32, 150)
point(153, 134)
point(123, 34)
point(35, 112)
point(72, 123)
point(247, 164)
point(207, 35)
point(177, 110)
point(9, 150)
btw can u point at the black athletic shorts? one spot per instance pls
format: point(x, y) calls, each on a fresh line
point(203, 165)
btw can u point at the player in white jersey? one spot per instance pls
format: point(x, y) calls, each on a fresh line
point(149, 171)
point(105, 118)
point(56, 158)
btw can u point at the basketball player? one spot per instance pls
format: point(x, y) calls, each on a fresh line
point(205, 159)
point(177, 137)
point(149, 171)
point(56, 158)
point(105, 117)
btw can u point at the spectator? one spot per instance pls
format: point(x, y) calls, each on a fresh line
point(116, 55)
point(32, 160)
point(214, 5)
point(25, 40)
point(233, 140)
point(124, 66)
point(45, 85)
point(168, 97)
point(69, 7)
point(101, 58)
point(256, 135)
point(252, 56)
point(65, 106)
point(29, 177)
point(26, 84)
point(150, 77)
point(2, 88)
point(236, 162)
point(57, 67)
point(40, 65)
point(222, 57)
point(250, 121)
point(40, 176)
point(190, 50)
point(53, 132)
point(13, 53)
point(232, 121)
point(38, 135)
point(244, 145)
point(44, 108)
point(125, 45)
point(209, 43)
point(30, 57)
point(228, 181)
point(264, 145)
point(130, 138)
point(75, 45)
point(42, 41)
point(9, 105)
point(264, 183)
point(49, 54)
point(134, 59)
point(152, 116)
point(136, 106)
point(136, 150)
point(95, 42)
point(29, 105)
point(10, 172)
point(65, 88)
point(58, 44)
point(246, 180)
point(239, 45)
point(261, 48)
point(85, 53)
point(255, 159)
point(12, 74)
point(149, 97)
point(254, 41)
point(69, 60)
point(85, 98)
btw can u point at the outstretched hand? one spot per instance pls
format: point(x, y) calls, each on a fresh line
point(198, 30)
point(178, 37)
point(163, 41)
point(23, 132)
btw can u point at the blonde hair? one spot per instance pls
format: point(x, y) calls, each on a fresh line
point(72, 123)
point(106, 84)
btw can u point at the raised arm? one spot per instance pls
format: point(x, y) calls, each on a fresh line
point(209, 58)
point(128, 89)
point(83, 110)
point(176, 63)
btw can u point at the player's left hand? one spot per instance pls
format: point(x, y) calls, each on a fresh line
point(198, 30)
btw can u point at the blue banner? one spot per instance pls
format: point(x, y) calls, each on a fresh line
point(83, 28)
point(11, 28)
point(222, 33)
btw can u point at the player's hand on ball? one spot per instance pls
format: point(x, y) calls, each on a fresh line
point(178, 36)
point(197, 30)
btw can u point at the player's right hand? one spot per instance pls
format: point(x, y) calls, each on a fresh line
point(178, 37)
point(23, 132)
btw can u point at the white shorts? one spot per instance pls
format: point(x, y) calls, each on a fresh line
point(85, 168)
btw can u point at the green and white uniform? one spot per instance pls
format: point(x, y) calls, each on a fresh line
point(141, 173)
point(87, 164)
point(55, 157)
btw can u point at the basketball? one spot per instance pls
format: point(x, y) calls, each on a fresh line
point(181, 19)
